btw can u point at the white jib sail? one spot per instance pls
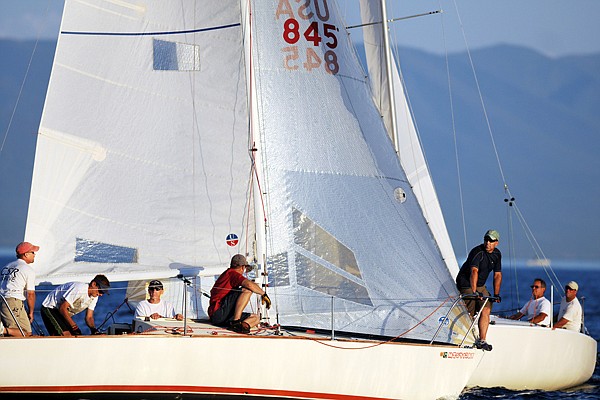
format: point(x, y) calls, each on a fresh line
point(348, 243)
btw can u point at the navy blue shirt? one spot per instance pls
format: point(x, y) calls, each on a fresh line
point(484, 262)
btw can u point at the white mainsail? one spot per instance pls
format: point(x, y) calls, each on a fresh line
point(142, 162)
point(409, 146)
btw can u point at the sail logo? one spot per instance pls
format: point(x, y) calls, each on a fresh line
point(232, 240)
point(463, 355)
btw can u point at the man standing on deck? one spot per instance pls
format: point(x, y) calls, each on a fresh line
point(471, 279)
point(17, 284)
point(230, 295)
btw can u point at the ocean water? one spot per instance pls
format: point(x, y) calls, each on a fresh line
point(114, 308)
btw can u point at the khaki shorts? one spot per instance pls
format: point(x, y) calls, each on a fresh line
point(474, 305)
point(18, 309)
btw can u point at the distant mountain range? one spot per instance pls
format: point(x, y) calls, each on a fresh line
point(544, 114)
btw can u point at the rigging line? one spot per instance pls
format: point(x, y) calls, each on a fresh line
point(37, 40)
point(511, 255)
point(454, 135)
point(328, 344)
point(537, 247)
point(487, 120)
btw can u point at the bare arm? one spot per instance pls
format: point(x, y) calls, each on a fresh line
point(518, 315)
point(497, 282)
point(64, 311)
point(31, 303)
point(538, 318)
point(474, 277)
point(562, 322)
point(253, 287)
point(89, 318)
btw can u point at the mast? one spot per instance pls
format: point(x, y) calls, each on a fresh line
point(388, 72)
point(255, 152)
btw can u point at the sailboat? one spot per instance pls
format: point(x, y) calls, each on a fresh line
point(176, 134)
point(520, 348)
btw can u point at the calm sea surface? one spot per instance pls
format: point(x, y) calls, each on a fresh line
point(112, 309)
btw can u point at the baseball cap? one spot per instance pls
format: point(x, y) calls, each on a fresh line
point(492, 234)
point(237, 261)
point(155, 284)
point(26, 247)
point(573, 285)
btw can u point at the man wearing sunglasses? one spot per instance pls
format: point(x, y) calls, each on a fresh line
point(59, 307)
point(154, 307)
point(538, 309)
point(471, 278)
point(569, 314)
point(17, 285)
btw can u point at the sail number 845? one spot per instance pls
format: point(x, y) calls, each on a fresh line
point(291, 34)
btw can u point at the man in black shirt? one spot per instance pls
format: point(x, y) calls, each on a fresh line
point(471, 278)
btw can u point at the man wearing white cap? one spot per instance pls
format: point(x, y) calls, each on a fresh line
point(17, 285)
point(569, 314)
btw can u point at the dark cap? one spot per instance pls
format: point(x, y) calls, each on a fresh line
point(155, 284)
point(102, 283)
point(237, 261)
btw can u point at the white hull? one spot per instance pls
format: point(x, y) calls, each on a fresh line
point(218, 364)
point(535, 358)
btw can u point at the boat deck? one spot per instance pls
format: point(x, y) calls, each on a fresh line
point(192, 327)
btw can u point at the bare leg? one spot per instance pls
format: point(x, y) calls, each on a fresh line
point(16, 332)
point(484, 322)
point(241, 303)
point(252, 320)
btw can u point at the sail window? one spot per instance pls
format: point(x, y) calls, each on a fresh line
point(314, 276)
point(92, 251)
point(172, 56)
point(279, 271)
point(313, 238)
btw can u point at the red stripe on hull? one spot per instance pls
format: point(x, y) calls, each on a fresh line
point(181, 389)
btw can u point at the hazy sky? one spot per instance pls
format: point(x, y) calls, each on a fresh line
point(552, 27)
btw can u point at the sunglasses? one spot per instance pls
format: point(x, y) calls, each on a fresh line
point(535, 287)
point(487, 239)
point(154, 289)
point(568, 288)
